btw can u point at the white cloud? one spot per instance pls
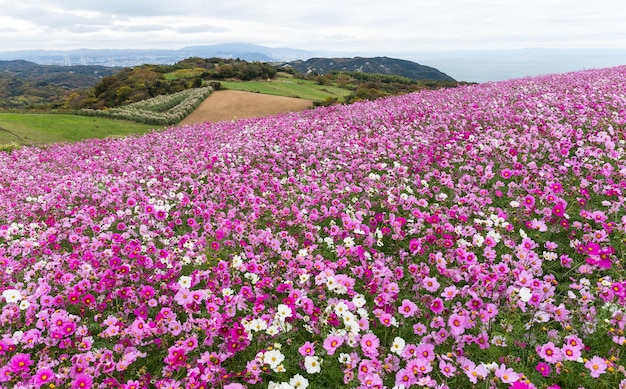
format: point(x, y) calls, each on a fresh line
point(349, 25)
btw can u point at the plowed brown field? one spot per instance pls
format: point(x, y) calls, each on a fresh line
point(230, 105)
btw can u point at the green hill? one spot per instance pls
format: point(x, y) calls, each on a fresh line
point(377, 65)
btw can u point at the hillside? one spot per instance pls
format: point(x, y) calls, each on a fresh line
point(378, 65)
point(25, 84)
point(456, 238)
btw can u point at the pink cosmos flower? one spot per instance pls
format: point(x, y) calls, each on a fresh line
point(550, 353)
point(132, 384)
point(176, 356)
point(419, 366)
point(436, 305)
point(457, 324)
point(146, 291)
point(529, 201)
point(478, 372)
point(20, 363)
point(183, 297)
point(543, 368)
point(521, 385)
point(506, 173)
point(558, 210)
point(332, 342)
point(446, 368)
point(405, 378)
point(574, 341)
point(449, 292)
point(407, 308)
point(234, 386)
point(369, 345)
point(43, 376)
point(387, 319)
point(570, 353)
point(596, 366)
point(5, 374)
point(414, 246)
point(160, 214)
point(82, 381)
point(307, 348)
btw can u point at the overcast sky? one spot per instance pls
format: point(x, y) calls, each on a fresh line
point(387, 26)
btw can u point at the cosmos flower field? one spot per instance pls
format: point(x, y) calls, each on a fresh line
point(468, 237)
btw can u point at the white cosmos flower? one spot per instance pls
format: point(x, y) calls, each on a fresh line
point(283, 311)
point(24, 304)
point(299, 382)
point(312, 364)
point(398, 345)
point(273, 358)
point(184, 282)
point(12, 295)
point(525, 294)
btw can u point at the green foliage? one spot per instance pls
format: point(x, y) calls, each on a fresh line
point(326, 102)
point(8, 147)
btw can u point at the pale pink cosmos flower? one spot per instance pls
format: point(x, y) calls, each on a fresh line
point(446, 368)
point(426, 351)
point(507, 375)
point(430, 284)
point(596, 366)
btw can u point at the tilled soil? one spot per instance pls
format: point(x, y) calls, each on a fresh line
point(232, 105)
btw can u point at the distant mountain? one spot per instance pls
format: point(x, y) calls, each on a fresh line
point(134, 57)
point(246, 51)
point(380, 65)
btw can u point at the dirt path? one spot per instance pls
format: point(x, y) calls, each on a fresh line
point(230, 104)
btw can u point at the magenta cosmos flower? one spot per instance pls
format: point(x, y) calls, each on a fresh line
point(43, 376)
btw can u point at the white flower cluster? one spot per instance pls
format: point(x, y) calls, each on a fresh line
point(13, 296)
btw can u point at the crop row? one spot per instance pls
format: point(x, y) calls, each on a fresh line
point(163, 110)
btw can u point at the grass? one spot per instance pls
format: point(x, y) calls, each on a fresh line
point(289, 87)
point(45, 128)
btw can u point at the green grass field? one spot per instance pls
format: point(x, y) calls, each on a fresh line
point(36, 129)
point(289, 87)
